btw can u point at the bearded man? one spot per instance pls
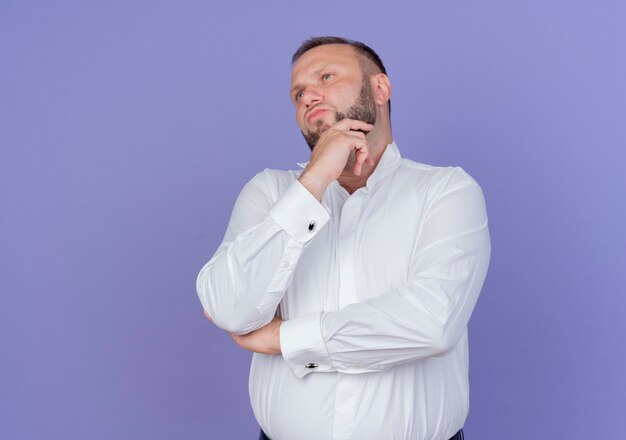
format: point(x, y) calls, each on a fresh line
point(352, 280)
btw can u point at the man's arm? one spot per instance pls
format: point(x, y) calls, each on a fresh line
point(264, 340)
point(241, 286)
point(425, 317)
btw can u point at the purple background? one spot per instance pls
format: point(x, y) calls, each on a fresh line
point(128, 128)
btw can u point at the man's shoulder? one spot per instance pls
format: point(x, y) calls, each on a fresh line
point(273, 182)
point(271, 176)
point(435, 177)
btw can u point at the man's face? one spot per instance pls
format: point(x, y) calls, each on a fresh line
point(327, 85)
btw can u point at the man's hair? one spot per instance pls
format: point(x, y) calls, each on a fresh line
point(362, 49)
point(372, 64)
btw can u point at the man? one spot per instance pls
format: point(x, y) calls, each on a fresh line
point(354, 279)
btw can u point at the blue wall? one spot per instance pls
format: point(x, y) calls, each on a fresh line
point(128, 128)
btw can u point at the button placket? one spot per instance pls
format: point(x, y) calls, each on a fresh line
point(346, 249)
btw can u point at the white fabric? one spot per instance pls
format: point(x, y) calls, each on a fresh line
point(376, 290)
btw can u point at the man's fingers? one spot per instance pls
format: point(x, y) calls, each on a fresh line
point(353, 124)
point(361, 155)
point(207, 316)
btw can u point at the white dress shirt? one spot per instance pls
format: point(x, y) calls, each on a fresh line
point(376, 289)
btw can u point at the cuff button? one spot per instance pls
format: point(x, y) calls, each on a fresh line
point(311, 365)
point(311, 226)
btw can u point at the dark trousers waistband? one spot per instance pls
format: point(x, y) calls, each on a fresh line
point(458, 436)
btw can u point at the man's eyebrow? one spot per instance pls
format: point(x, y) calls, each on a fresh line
point(294, 88)
point(315, 73)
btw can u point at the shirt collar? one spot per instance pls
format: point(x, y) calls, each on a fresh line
point(389, 161)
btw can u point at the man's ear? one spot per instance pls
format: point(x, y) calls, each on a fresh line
point(381, 87)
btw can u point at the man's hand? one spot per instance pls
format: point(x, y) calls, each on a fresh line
point(332, 152)
point(264, 340)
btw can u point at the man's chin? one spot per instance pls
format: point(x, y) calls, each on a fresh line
point(312, 138)
point(322, 129)
point(319, 127)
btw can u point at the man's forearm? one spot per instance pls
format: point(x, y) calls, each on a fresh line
point(246, 279)
point(424, 317)
point(263, 340)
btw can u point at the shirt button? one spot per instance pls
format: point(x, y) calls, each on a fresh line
point(311, 365)
point(311, 226)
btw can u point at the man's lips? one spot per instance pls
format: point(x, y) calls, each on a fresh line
point(314, 114)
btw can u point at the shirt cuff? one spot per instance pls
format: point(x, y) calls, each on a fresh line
point(299, 213)
point(302, 345)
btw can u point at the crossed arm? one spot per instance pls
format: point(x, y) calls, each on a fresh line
point(264, 340)
point(425, 317)
point(243, 284)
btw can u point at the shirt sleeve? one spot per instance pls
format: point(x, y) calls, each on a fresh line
point(424, 317)
point(243, 283)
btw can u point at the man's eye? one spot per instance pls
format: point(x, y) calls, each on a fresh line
point(327, 76)
point(298, 95)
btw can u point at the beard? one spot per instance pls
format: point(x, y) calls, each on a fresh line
point(364, 109)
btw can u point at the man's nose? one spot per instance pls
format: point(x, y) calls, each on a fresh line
point(312, 96)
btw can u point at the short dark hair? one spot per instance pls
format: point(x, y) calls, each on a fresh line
point(362, 49)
